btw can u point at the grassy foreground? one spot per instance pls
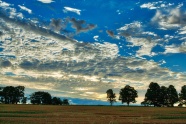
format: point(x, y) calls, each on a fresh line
point(41, 114)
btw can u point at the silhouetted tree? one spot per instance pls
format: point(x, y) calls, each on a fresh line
point(65, 102)
point(163, 96)
point(24, 100)
point(1, 95)
point(172, 95)
point(145, 103)
point(40, 97)
point(19, 93)
point(12, 94)
point(152, 94)
point(128, 94)
point(56, 101)
point(182, 95)
point(111, 96)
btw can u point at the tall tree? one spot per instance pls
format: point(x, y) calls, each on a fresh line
point(172, 95)
point(182, 95)
point(9, 95)
point(40, 97)
point(19, 93)
point(163, 96)
point(128, 94)
point(111, 96)
point(12, 95)
point(152, 94)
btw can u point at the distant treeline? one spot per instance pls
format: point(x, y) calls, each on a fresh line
point(14, 95)
point(155, 96)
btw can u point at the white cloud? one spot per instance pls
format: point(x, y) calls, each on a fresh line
point(134, 25)
point(149, 33)
point(149, 5)
point(169, 18)
point(156, 5)
point(46, 1)
point(25, 9)
point(171, 49)
point(69, 9)
point(145, 44)
point(96, 37)
point(4, 4)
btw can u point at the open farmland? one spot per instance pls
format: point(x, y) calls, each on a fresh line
point(15, 114)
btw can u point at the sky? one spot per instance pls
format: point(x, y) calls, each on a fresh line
point(80, 49)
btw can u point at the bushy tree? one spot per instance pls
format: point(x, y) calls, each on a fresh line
point(41, 97)
point(172, 95)
point(24, 100)
point(128, 94)
point(56, 101)
point(111, 96)
point(12, 95)
point(182, 95)
point(152, 94)
point(65, 102)
point(163, 96)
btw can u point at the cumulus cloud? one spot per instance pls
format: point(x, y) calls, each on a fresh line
point(172, 49)
point(69, 9)
point(135, 34)
point(169, 18)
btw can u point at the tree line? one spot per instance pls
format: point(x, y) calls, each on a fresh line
point(15, 95)
point(156, 95)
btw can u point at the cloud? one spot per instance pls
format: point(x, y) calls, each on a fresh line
point(4, 4)
point(169, 18)
point(135, 34)
point(25, 9)
point(111, 34)
point(45, 60)
point(156, 5)
point(132, 29)
point(5, 63)
point(81, 26)
point(69, 9)
point(56, 24)
point(46, 1)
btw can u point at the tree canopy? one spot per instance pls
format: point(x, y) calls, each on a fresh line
point(182, 95)
point(111, 96)
point(160, 96)
point(41, 97)
point(12, 95)
point(128, 94)
point(152, 94)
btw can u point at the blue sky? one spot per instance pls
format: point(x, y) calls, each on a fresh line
point(80, 49)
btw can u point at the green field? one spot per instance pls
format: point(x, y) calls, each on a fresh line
point(41, 114)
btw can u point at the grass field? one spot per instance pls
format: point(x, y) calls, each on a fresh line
point(41, 114)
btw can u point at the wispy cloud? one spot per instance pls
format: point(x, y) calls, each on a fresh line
point(25, 9)
point(69, 9)
point(46, 1)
